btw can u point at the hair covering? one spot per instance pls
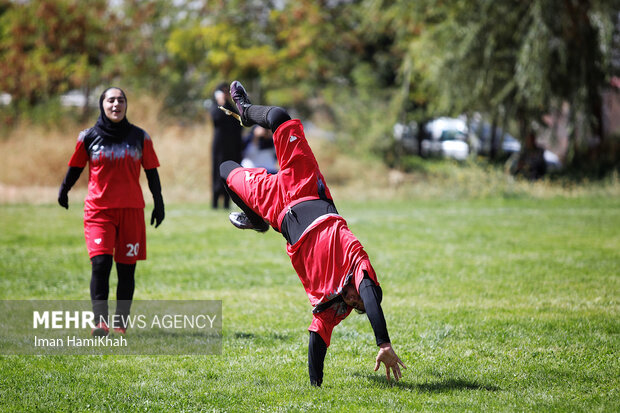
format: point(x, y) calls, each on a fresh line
point(108, 129)
point(223, 86)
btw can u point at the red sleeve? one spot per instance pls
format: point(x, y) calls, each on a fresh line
point(364, 265)
point(324, 322)
point(80, 156)
point(149, 158)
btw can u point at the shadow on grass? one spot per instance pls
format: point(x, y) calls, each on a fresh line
point(440, 386)
point(272, 335)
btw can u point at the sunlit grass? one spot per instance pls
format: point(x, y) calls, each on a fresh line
point(493, 304)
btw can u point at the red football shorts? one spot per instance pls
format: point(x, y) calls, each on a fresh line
point(120, 232)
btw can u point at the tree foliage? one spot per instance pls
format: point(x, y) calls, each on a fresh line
point(526, 57)
point(47, 48)
point(365, 63)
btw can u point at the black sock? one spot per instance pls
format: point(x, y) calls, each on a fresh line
point(256, 114)
point(269, 117)
point(124, 292)
point(100, 287)
point(276, 117)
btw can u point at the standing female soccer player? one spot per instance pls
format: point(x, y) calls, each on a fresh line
point(329, 260)
point(114, 227)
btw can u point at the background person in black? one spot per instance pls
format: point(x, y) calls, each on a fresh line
point(226, 142)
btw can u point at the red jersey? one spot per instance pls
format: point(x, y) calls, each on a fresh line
point(114, 168)
point(327, 256)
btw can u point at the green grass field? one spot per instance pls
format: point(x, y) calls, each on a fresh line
point(493, 305)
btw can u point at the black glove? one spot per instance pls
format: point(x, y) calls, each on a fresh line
point(63, 197)
point(158, 211)
point(73, 173)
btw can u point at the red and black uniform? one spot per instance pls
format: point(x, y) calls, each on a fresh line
point(324, 252)
point(114, 225)
point(114, 206)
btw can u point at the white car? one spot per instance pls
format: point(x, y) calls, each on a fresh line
point(447, 139)
point(455, 149)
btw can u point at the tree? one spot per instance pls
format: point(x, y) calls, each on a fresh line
point(298, 51)
point(525, 57)
point(219, 41)
point(52, 46)
point(49, 47)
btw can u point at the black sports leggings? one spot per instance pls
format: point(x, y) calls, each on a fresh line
point(100, 286)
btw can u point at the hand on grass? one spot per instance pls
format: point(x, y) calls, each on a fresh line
point(388, 356)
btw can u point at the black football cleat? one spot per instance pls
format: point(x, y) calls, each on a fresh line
point(241, 99)
point(241, 221)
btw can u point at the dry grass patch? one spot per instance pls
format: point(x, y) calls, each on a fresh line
point(33, 162)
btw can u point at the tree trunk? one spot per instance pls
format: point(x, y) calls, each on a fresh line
point(493, 152)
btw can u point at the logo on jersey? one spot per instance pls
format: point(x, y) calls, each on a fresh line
point(293, 138)
point(97, 241)
point(248, 176)
point(114, 152)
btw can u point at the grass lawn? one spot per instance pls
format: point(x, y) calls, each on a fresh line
point(493, 305)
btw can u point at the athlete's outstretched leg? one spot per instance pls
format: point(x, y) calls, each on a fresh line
point(248, 219)
point(269, 117)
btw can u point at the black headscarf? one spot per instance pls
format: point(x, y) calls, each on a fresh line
point(108, 129)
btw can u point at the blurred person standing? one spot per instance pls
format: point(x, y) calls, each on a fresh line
point(114, 226)
point(530, 162)
point(226, 144)
point(259, 150)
